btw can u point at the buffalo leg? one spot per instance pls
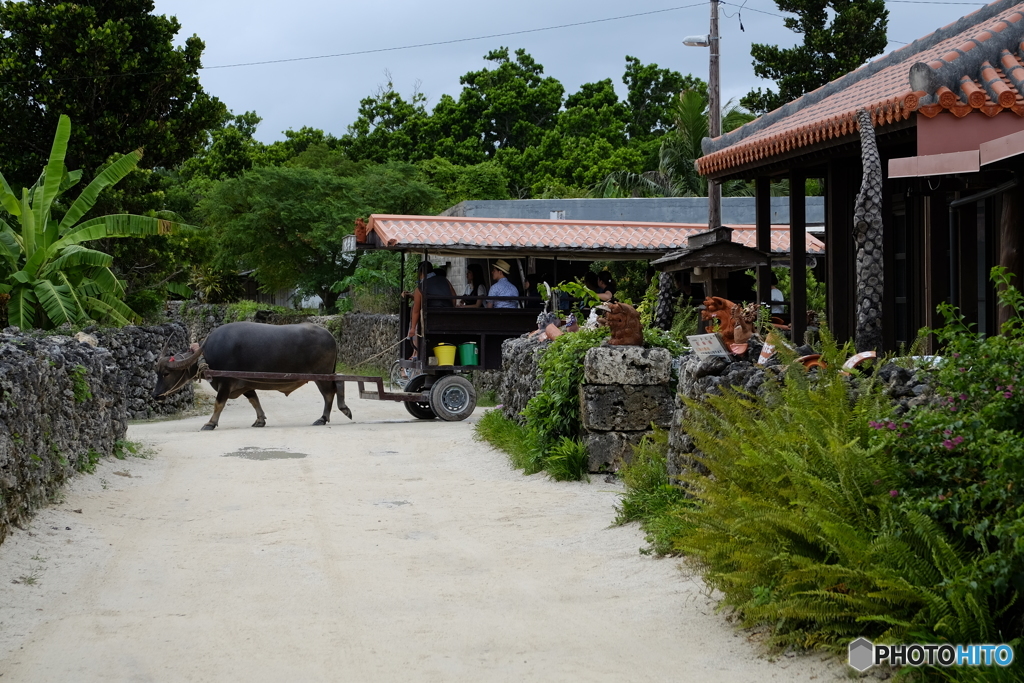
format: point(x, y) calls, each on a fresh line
point(261, 417)
point(340, 390)
point(223, 391)
point(327, 391)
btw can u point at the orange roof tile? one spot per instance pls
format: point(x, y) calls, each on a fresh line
point(444, 234)
point(972, 64)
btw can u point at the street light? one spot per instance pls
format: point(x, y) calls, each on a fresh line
point(711, 40)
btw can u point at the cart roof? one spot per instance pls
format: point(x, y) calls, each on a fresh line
point(596, 240)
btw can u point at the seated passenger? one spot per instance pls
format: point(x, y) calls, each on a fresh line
point(605, 286)
point(501, 286)
point(476, 287)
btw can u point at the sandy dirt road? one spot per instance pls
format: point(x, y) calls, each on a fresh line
point(382, 549)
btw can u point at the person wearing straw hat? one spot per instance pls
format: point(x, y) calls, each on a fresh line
point(501, 286)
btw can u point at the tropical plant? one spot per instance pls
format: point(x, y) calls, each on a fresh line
point(50, 277)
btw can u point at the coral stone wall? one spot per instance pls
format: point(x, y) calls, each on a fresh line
point(62, 405)
point(520, 375)
point(906, 387)
point(135, 351)
point(365, 338)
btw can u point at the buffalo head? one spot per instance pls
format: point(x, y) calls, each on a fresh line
point(174, 372)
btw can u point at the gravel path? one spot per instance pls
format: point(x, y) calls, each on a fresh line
point(382, 549)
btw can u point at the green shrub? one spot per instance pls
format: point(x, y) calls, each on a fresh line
point(246, 310)
point(87, 461)
point(567, 460)
point(650, 498)
point(555, 411)
point(963, 456)
point(508, 435)
point(800, 523)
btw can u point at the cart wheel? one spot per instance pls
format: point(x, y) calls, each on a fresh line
point(418, 409)
point(398, 375)
point(453, 398)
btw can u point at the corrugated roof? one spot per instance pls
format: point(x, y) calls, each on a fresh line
point(973, 64)
point(482, 236)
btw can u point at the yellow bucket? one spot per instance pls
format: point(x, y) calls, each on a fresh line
point(445, 354)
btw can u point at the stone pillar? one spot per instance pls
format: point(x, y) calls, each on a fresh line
point(625, 391)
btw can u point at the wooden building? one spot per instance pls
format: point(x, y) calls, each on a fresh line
point(948, 115)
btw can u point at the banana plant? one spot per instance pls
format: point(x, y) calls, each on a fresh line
point(47, 273)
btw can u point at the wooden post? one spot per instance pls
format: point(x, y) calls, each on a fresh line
point(797, 257)
point(1011, 255)
point(840, 189)
point(763, 223)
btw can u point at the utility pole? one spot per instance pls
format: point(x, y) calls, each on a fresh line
point(714, 117)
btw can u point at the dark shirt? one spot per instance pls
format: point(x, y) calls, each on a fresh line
point(437, 286)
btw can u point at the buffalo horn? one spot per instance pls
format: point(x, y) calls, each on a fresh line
point(185, 361)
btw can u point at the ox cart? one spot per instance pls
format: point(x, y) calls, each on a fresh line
point(438, 393)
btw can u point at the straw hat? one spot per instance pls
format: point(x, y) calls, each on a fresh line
point(502, 265)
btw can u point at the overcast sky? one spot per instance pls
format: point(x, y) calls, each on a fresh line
point(325, 93)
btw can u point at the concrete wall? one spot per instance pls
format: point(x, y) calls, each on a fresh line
point(735, 210)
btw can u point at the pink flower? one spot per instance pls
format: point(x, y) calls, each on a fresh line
point(875, 425)
point(891, 425)
point(958, 440)
point(876, 482)
point(947, 432)
point(998, 388)
point(948, 444)
point(894, 493)
point(963, 397)
point(1007, 394)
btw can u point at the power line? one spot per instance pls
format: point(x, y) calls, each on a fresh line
point(377, 50)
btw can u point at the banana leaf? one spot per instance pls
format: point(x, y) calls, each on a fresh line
point(57, 302)
point(110, 175)
point(54, 173)
point(21, 309)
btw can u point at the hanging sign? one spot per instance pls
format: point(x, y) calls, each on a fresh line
point(707, 345)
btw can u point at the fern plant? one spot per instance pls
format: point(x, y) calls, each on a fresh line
point(800, 526)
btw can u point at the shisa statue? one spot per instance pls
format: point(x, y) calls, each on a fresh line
point(722, 309)
point(624, 322)
point(736, 322)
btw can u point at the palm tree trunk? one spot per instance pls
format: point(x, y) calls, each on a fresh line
point(867, 233)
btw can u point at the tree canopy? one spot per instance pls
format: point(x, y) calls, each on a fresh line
point(113, 68)
point(287, 223)
point(544, 142)
point(839, 36)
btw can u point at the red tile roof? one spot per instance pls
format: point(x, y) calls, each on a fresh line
point(611, 239)
point(972, 64)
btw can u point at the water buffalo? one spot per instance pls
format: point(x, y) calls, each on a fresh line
point(255, 347)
